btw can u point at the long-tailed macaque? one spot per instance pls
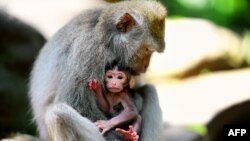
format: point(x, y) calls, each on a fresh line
point(63, 106)
point(115, 101)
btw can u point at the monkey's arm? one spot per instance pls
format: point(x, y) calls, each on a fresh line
point(151, 114)
point(137, 124)
point(129, 113)
point(103, 103)
point(95, 86)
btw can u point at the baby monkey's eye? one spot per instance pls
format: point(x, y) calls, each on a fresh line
point(110, 76)
point(120, 77)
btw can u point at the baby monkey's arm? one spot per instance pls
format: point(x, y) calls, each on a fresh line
point(128, 114)
point(95, 86)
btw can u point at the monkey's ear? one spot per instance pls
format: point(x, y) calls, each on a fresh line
point(131, 82)
point(125, 23)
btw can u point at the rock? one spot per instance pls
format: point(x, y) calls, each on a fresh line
point(196, 100)
point(195, 45)
point(236, 114)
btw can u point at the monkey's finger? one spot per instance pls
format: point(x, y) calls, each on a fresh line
point(120, 130)
point(99, 126)
point(90, 86)
point(104, 131)
point(124, 132)
point(136, 137)
point(131, 129)
point(133, 134)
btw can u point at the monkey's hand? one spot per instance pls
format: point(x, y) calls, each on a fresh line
point(129, 135)
point(94, 85)
point(104, 125)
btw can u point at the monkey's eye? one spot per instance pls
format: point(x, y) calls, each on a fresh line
point(120, 77)
point(110, 76)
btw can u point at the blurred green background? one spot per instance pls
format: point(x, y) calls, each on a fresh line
point(233, 14)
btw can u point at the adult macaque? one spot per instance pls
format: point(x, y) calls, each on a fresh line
point(115, 101)
point(63, 109)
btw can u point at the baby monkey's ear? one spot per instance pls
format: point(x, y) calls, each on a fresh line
point(125, 23)
point(131, 82)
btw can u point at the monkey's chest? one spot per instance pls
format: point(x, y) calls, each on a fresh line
point(115, 110)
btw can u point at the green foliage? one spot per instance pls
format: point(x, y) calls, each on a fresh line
point(246, 47)
point(197, 128)
point(229, 13)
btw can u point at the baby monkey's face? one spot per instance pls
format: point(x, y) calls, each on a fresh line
point(115, 80)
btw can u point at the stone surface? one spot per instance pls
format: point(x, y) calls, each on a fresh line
point(195, 45)
point(198, 99)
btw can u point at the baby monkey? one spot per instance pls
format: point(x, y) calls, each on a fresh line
point(115, 101)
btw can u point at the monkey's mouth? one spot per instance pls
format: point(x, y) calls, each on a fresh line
point(115, 90)
point(143, 69)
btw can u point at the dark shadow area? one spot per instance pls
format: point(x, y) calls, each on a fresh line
point(19, 45)
point(218, 64)
point(236, 114)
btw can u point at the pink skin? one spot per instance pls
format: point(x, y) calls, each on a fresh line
point(129, 135)
point(115, 81)
point(104, 125)
point(94, 85)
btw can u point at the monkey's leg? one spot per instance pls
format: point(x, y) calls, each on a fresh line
point(65, 124)
point(151, 114)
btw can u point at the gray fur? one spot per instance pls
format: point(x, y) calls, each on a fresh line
point(78, 53)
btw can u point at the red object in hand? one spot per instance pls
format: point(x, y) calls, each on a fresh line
point(129, 135)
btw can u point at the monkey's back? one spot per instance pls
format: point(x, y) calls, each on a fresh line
point(58, 59)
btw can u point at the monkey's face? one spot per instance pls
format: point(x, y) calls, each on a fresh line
point(115, 80)
point(137, 34)
point(141, 59)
